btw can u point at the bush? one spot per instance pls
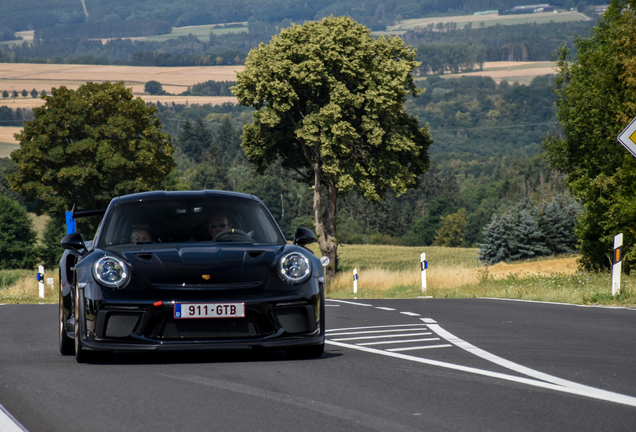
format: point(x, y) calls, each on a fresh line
point(17, 237)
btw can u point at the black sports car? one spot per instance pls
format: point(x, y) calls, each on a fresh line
point(189, 270)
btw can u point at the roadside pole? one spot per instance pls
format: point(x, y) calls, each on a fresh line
point(617, 260)
point(355, 280)
point(423, 266)
point(41, 280)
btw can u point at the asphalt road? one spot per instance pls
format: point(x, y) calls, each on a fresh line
point(390, 365)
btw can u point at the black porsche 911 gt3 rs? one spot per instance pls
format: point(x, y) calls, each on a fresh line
point(189, 270)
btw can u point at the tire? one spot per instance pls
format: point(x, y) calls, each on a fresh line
point(66, 343)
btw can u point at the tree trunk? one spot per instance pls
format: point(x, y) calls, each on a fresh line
point(326, 232)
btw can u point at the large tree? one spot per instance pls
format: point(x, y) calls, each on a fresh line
point(329, 102)
point(596, 100)
point(86, 146)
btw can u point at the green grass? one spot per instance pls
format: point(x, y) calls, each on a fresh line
point(21, 286)
point(202, 32)
point(580, 288)
point(396, 258)
point(9, 278)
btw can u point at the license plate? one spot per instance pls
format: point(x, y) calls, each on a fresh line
point(209, 310)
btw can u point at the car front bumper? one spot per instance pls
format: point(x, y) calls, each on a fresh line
point(136, 323)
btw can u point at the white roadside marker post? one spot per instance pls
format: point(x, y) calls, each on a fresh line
point(424, 266)
point(41, 280)
point(355, 280)
point(617, 259)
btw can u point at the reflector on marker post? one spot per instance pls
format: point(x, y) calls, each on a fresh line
point(617, 259)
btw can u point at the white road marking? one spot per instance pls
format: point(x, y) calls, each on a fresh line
point(384, 308)
point(8, 423)
point(575, 388)
point(539, 379)
point(398, 341)
point(415, 328)
point(382, 336)
point(371, 327)
point(581, 390)
point(560, 304)
point(328, 305)
point(351, 303)
point(418, 348)
point(410, 314)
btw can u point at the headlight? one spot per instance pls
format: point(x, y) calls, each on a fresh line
point(111, 272)
point(294, 268)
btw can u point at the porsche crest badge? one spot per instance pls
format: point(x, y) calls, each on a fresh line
point(205, 277)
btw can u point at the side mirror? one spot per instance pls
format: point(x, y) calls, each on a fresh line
point(74, 242)
point(303, 237)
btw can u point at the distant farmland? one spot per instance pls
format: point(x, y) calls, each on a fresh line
point(19, 76)
point(487, 20)
point(521, 72)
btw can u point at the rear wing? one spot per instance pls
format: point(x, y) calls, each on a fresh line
point(71, 215)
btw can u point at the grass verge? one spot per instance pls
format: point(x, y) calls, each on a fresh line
point(21, 286)
point(394, 272)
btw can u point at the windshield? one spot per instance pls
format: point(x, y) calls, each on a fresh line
point(190, 219)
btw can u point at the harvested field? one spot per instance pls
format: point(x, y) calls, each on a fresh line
point(487, 20)
point(19, 76)
point(7, 142)
point(521, 72)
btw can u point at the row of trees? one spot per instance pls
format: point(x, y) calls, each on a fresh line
point(110, 29)
point(14, 117)
point(34, 93)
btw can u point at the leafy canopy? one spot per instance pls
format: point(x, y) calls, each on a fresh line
point(329, 96)
point(86, 146)
point(596, 100)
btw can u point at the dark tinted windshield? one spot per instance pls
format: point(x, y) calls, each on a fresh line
point(221, 219)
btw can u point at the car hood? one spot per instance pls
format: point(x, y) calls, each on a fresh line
point(205, 265)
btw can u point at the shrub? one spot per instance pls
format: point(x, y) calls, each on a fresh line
point(17, 237)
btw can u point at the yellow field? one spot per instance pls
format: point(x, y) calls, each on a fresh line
point(521, 72)
point(488, 20)
point(446, 275)
point(7, 142)
point(19, 76)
